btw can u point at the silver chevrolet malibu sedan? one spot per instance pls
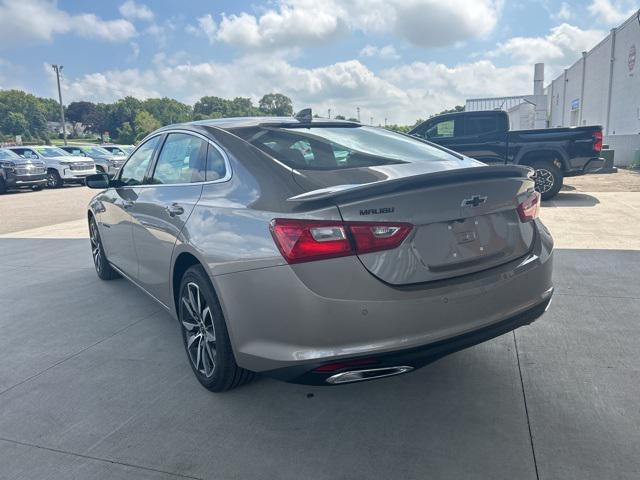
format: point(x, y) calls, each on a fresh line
point(318, 251)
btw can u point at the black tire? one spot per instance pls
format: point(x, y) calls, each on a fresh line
point(53, 179)
point(103, 268)
point(36, 188)
point(548, 178)
point(205, 336)
point(3, 186)
point(99, 169)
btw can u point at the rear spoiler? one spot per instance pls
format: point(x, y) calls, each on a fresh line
point(352, 191)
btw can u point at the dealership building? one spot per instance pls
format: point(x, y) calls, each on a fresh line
point(601, 88)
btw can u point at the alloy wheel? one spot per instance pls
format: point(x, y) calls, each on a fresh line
point(544, 180)
point(52, 181)
point(96, 249)
point(200, 333)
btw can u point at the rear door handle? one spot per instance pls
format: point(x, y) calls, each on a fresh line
point(174, 209)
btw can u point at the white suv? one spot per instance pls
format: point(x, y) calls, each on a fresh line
point(61, 166)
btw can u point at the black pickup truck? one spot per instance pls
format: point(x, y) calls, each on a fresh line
point(553, 153)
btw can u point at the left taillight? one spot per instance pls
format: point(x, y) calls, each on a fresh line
point(309, 240)
point(597, 141)
point(530, 208)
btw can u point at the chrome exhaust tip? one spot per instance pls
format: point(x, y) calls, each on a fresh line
point(367, 374)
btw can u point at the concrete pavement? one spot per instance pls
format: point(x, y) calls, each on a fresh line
point(94, 383)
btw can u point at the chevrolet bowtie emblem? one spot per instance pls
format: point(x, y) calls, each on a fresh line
point(473, 201)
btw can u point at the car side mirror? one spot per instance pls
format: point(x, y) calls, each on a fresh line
point(97, 180)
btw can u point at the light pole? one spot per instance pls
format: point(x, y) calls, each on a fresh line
point(329, 112)
point(58, 68)
point(358, 110)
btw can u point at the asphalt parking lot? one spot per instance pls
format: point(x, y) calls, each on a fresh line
point(94, 382)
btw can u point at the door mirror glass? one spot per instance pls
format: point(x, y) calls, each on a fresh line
point(98, 180)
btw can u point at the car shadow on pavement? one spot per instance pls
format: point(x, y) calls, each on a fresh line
point(573, 199)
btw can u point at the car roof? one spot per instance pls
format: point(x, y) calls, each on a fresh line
point(239, 122)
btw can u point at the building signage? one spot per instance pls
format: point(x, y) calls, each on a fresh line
point(575, 104)
point(632, 58)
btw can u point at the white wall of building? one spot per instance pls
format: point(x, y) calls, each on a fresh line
point(594, 109)
point(603, 88)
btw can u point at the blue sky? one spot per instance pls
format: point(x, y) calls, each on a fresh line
point(395, 59)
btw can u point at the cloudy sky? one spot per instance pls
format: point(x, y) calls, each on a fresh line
point(395, 59)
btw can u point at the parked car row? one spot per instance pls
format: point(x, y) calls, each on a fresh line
point(36, 166)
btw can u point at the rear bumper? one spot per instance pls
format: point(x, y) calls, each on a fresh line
point(583, 165)
point(593, 165)
point(318, 312)
point(415, 357)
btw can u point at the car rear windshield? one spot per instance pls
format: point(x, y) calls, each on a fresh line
point(334, 148)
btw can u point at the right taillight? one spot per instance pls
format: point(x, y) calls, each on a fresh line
point(309, 240)
point(530, 208)
point(597, 141)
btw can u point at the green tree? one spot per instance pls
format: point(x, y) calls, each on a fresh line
point(242, 107)
point(15, 123)
point(276, 104)
point(456, 109)
point(340, 117)
point(125, 134)
point(30, 106)
point(51, 109)
point(145, 124)
point(80, 111)
point(352, 119)
point(98, 121)
point(124, 110)
point(211, 107)
point(167, 110)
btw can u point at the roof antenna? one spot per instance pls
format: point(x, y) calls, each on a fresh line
point(304, 116)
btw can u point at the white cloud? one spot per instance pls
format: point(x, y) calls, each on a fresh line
point(206, 27)
point(135, 51)
point(135, 11)
point(40, 20)
point(388, 52)
point(612, 12)
point(88, 25)
point(401, 94)
point(425, 23)
point(561, 47)
point(564, 13)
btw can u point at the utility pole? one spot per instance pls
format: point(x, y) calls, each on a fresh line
point(358, 110)
point(385, 122)
point(57, 69)
point(329, 112)
point(371, 121)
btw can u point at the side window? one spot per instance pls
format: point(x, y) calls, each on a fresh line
point(181, 160)
point(133, 171)
point(479, 124)
point(28, 153)
point(216, 168)
point(442, 129)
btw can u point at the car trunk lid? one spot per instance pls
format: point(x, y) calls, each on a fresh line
point(465, 220)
